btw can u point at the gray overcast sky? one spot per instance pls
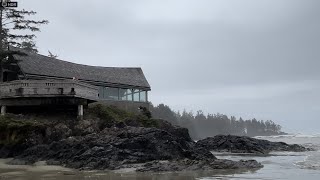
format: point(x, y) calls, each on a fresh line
point(249, 58)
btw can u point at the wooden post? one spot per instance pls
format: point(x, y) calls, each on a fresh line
point(80, 111)
point(3, 110)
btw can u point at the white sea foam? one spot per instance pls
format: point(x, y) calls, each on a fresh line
point(305, 136)
point(312, 161)
point(312, 158)
point(297, 135)
point(275, 137)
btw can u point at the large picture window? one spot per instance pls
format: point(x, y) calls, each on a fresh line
point(125, 94)
point(109, 93)
point(136, 95)
point(143, 96)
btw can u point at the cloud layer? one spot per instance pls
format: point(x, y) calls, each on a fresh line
point(247, 58)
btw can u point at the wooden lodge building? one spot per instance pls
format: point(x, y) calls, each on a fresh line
point(36, 80)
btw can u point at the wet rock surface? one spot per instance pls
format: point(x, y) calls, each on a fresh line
point(113, 147)
point(243, 144)
point(195, 165)
point(85, 145)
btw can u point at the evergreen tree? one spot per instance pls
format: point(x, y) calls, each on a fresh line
point(29, 46)
point(201, 126)
point(17, 29)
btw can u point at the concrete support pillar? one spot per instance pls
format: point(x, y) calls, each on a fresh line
point(80, 111)
point(3, 110)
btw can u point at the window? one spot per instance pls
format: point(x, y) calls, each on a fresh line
point(136, 95)
point(122, 94)
point(111, 93)
point(143, 96)
point(125, 94)
point(129, 94)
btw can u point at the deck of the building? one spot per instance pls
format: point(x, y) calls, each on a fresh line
point(47, 89)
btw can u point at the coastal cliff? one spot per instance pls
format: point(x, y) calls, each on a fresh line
point(107, 138)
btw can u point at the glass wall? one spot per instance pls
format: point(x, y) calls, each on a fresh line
point(143, 96)
point(125, 94)
point(136, 95)
point(109, 93)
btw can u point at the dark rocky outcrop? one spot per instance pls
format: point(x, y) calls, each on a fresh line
point(111, 140)
point(243, 144)
point(114, 147)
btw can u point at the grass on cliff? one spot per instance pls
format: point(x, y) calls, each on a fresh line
point(109, 115)
point(14, 130)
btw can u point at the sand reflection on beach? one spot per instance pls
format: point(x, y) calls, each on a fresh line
point(40, 171)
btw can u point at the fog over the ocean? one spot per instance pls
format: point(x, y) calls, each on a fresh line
point(248, 58)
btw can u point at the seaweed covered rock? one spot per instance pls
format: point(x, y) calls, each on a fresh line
point(244, 144)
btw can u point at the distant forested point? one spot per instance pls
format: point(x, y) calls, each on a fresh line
point(201, 126)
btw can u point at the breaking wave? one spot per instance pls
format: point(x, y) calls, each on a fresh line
point(289, 136)
point(312, 161)
point(312, 158)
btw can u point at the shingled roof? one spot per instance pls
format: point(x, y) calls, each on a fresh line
point(33, 64)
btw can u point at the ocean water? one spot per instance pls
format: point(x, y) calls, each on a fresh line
point(283, 165)
point(280, 165)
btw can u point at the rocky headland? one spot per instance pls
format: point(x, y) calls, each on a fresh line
point(107, 138)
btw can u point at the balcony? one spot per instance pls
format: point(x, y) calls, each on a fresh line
point(48, 88)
